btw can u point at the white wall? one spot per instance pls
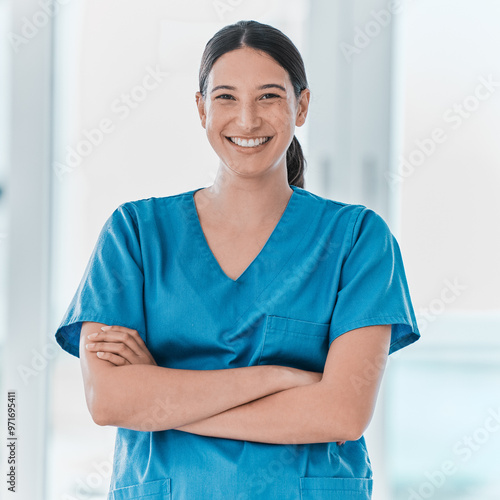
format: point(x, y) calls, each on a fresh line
point(449, 202)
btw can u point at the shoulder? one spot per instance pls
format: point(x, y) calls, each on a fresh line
point(333, 206)
point(351, 214)
point(353, 220)
point(144, 209)
point(155, 201)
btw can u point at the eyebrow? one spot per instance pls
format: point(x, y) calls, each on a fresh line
point(262, 87)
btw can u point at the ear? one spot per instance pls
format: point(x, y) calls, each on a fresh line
point(200, 103)
point(302, 107)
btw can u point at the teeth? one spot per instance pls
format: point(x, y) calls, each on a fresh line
point(249, 143)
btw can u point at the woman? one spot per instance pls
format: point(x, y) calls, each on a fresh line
point(237, 334)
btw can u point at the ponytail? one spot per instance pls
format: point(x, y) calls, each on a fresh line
point(295, 164)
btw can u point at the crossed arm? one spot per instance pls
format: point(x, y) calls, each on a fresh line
point(267, 403)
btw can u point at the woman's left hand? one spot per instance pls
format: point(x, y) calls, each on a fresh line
point(120, 346)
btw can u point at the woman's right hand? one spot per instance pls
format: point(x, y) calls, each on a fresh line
point(120, 346)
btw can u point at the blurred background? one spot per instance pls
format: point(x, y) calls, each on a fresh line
point(404, 118)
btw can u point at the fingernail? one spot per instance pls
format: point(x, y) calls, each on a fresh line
point(100, 354)
point(104, 328)
point(92, 335)
point(89, 346)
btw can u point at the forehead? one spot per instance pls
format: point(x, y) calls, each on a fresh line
point(247, 66)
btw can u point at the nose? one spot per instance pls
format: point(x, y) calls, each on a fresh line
point(248, 117)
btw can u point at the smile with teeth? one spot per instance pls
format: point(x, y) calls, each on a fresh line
point(251, 143)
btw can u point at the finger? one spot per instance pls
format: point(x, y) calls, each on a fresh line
point(118, 337)
point(121, 334)
point(121, 349)
point(116, 348)
point(112, 358)
point(134, 333)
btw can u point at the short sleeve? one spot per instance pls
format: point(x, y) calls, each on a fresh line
point(373, 289)
point(111, 289)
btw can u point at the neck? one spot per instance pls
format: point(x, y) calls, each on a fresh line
point(248, 202)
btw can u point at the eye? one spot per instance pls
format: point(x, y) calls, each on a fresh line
point(225, 96)
point(269, 96)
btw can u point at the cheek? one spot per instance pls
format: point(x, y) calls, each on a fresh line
point(211, 125)
point(284, 116)
point(284, 121)
point(215, 120)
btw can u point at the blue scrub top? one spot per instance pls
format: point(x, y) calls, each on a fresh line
point(327, 268)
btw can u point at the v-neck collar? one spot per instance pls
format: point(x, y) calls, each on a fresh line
point(204, 247)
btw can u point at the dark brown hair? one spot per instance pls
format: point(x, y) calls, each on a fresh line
point(276, 44)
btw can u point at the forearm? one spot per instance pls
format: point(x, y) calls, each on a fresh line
point(294, 416)
point(154, 398)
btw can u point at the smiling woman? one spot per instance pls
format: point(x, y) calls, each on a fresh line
point(249, 322)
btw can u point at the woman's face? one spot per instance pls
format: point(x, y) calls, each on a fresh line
point(250, 111)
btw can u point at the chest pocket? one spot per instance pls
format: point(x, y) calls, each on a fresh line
point(153, 490)
point(296, 343)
